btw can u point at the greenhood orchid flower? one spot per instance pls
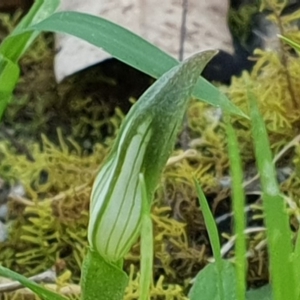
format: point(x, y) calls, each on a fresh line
point(143, 145)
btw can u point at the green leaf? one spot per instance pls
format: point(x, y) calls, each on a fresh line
point(238, 203)
point(39, 290)
point(206, 283)
point(276, 217)
point(213, 237)
point(129, 48)
point(210, 224)
point(101, 280)
point(14, 46)
point(263, 293)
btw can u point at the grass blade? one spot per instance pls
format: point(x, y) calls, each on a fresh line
point(146, 245)
point(291, 43)
point(39, 290)
point(238, 202)
point(276, 217)
point(213, 236)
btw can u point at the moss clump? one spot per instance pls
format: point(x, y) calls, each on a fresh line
point(49, 222)
point(240, 21)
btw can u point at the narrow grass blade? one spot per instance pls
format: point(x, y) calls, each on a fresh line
point(293, 44)
point(146, 245)
point(39, 290)
point(129, 48)
point(276, 217)
point(213, 236)
point(238, 203)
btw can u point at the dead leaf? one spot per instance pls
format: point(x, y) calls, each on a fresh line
point(158, 21)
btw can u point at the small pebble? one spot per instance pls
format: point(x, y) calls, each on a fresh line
point(3, 212)
point(3, 232)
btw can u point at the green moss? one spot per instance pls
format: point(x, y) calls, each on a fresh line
point(49, 227)
point(240, 21)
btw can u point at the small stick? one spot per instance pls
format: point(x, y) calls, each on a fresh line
point(47, 276)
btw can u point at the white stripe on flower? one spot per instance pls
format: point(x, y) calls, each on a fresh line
point(116, 196)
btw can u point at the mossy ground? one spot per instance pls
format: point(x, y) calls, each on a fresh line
point(54, 138)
